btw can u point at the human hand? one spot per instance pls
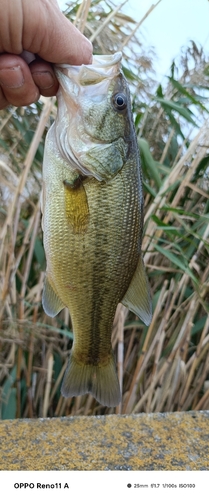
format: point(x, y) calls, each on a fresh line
point(40, 28)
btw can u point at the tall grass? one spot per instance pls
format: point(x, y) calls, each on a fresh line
point(163, 367)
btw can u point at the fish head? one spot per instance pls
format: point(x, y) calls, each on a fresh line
point(94, 125)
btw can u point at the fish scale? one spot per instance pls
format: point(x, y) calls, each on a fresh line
point(92, 221)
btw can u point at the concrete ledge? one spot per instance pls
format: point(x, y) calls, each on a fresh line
point(170, 441)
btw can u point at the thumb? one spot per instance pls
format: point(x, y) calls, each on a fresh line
point(64, 43)
point(52, 36)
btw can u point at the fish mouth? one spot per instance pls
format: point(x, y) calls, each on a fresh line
point(103, 67)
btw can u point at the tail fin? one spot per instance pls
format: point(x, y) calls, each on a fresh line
point(100, 381)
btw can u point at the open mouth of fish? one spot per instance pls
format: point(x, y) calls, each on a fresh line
point(102, 68)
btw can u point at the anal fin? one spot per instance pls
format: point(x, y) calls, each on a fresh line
point(52, 304)
point(137, 297)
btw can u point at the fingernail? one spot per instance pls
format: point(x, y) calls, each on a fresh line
point(87, 50)
point(11, 77)
point(28, 57)
point(43, 79)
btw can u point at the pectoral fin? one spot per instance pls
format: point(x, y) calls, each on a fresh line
point(137, 297)
point(51, 302)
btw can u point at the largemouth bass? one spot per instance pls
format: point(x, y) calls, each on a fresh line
point(93, 219)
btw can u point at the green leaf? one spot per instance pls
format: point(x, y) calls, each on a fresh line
point(175, 124)
point(138, 119)
point(183, 91)
point(39, 253)
point(171, 188)
point(199, 325)
point(159, 91)
point(165, 227)
point(173, 67)
point(179, 211)
point(129, 74)
point(206, 70)
point(8, 409)
point(57, 367)
point(4, 144)
point(148, 189)
point(186, 113)
point(178, 262)
point(148, 162)
point(201, 167)
point(65, 332)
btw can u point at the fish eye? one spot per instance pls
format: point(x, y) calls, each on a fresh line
point(119, 101)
